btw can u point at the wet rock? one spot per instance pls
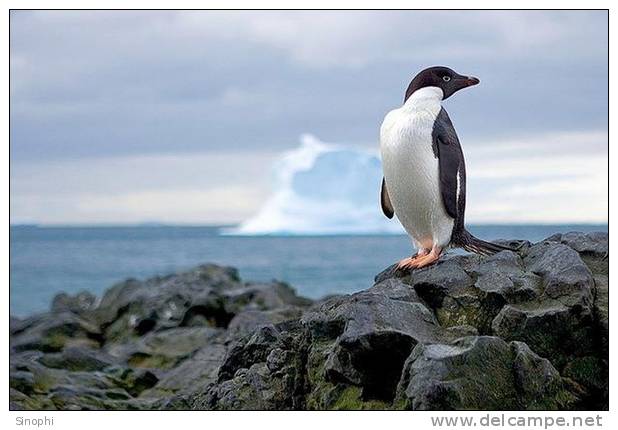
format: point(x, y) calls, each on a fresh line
point(375, 335)
point(134, 381)
point(77, 358)
point(163, 349)
point(265, 371)
point(80, 304)
point(248, 321)
point(479, 373)
point(192, 375)
point(594, 243)
point(560, 322)
point(206, 296)
point(53, 331)
point(134, 308)
point(22, 381)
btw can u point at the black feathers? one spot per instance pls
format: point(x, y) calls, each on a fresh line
point(447, 149)
point(385, 201)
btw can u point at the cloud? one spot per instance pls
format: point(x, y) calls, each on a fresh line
point(357, 38)
point(114, 83)
point(535, 180)
point(123, 106)
point(196, 188)
point(552, 178)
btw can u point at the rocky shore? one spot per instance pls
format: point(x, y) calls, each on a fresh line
point(525, 330)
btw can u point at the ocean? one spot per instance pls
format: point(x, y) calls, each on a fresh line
point(47, 260)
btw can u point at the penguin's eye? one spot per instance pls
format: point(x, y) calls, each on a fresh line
point(446, 78)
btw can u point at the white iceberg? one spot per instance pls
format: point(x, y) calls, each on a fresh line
point(322, 188)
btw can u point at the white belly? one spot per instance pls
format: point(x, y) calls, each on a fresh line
point(412, 172)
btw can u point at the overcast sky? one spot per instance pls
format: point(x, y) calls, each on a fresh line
point(122, 117)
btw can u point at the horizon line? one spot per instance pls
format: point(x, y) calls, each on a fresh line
point(223, 225)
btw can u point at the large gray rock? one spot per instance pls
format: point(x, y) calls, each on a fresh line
point(50, 332)
point(560, 323)
point(480, 373)
point(263, 371)
point(81, 303)
point(209, 295)
point(372, 333)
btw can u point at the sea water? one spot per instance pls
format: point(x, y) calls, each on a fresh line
point(47, 260)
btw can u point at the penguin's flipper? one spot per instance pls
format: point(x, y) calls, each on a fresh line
point(447, 149)
point(385, 201)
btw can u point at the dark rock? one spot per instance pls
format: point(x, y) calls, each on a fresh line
point(84, 398)
point(80, 304)
point(77, 358)
point(376, 334)
point(134, 381)
point(560, 323)
point(192, 375)
point(479, 373)
point(53, 331)
point(264, 371)
point(163, 349)
point(594, 243)
point(206, 296)
point(247, 321)
point(22, 381)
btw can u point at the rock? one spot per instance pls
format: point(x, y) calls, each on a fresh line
point(247, 321)
point(80, 304)
point(517, 330)
point(146, 345)
point(192, 375)
point(134, 381)
point(19, 401)
point(594, 243)
point(53, 331)
point(372, 334)
point(206, 296)
point(83, 398)
point(560, 322)
point(479, 373)
point(22, 381)
point(77, 358)
point(265, 371)
point(163, 349)
point(133, 308)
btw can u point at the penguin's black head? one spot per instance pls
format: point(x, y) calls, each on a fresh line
point(444, 78)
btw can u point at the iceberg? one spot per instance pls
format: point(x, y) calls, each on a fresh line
point(322, 189)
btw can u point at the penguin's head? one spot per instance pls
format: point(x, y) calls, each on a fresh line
point(441, 77)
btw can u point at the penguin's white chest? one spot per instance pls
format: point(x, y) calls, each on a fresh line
point(412, 171)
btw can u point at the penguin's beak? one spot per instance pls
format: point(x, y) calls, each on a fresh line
point(459, 82)
point(471, 80)
point(468, 81)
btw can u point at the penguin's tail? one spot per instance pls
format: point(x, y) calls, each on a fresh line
point(473, 244)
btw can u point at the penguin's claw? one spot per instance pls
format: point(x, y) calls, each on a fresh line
point(408, 263)
point(420, 260)
point(430, 258)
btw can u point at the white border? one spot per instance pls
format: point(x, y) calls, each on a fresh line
point(271, 420)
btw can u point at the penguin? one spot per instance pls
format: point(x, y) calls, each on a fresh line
point(424, 181)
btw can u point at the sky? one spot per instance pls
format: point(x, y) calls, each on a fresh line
point(126, 117)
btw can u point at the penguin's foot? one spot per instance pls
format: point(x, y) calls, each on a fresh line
point(408, 263)
point(429, 259)
point(421, 259)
